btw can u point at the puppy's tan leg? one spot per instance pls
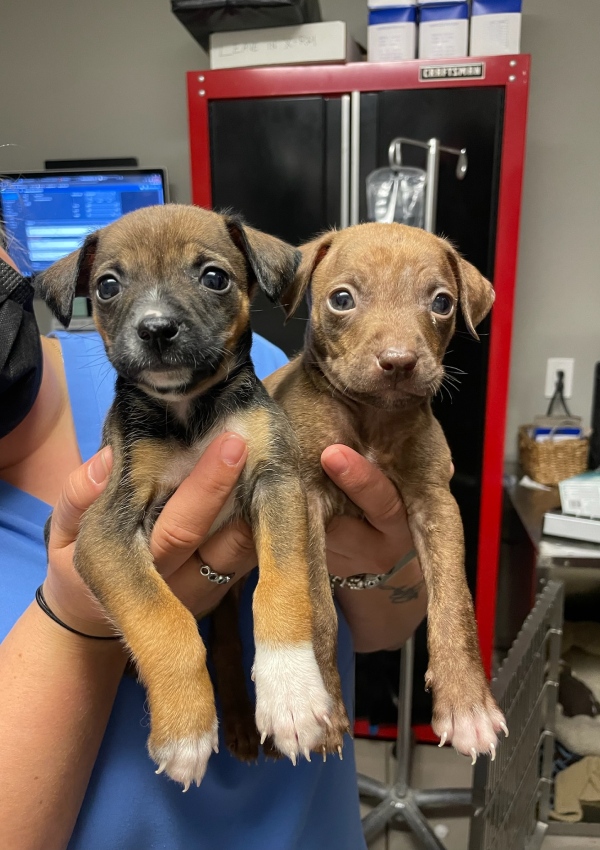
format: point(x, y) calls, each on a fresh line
point(163, 638)
point(465, 713)
point(325, 626)
point(237, 711)
point(292, 702)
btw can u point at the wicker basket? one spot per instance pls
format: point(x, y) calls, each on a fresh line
point(553, 460)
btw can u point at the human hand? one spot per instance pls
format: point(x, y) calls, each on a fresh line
point(377, 542)
point(182, 526)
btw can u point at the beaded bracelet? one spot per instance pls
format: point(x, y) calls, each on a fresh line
point(41, 601)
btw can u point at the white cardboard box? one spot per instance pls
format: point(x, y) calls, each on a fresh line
point(443, 30)
point(392, 34)
point(495, 27)
point(580, 495)
point(572, 527)
point(328, 41)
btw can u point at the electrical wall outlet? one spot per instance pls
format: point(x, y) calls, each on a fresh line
point(555, 365)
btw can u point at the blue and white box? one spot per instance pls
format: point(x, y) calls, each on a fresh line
point(392, 31)
point(495, 27)
point(443, 30)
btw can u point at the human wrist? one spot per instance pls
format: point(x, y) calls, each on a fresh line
point(372, 580)
point(108, 654)
point(70, 617)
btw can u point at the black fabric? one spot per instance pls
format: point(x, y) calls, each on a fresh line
point(20, 349)
point(203, 17)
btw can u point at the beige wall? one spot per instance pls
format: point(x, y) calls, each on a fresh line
point(558, 285)
point(89, 78)
point(108, 79)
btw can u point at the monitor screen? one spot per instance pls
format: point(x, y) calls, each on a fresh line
point(47, 214)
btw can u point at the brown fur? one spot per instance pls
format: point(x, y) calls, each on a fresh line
point(206, 384)
point(350, 386)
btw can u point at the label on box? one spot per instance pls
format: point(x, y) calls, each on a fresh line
point(495, 35)
point(444, 31)
point(392, 34)
point(580, 495)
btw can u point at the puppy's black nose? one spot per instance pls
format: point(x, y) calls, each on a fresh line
point(397, 361)
point(157, 329)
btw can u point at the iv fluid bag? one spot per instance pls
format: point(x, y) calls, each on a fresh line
point(397, 194)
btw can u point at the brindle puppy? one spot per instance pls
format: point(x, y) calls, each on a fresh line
point(171, 288)
point(383, 302)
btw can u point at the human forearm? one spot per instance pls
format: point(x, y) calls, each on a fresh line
point(57, 694)
point(386, 616)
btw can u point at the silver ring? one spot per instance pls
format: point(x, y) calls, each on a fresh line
point(211, 575)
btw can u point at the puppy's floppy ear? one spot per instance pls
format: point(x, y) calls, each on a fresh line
point(62, 281)
point(271, 261)
point(476, 294)
point(312, 254)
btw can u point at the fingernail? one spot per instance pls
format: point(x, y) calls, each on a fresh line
point(98, 468)
point(232, 450)
point(336, 462)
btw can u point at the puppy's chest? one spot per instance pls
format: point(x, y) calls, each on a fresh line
point(160, 467)
point(387, 458)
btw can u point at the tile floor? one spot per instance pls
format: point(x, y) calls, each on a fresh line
point(433, 767)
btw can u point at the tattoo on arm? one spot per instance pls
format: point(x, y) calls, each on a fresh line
point(404, 593)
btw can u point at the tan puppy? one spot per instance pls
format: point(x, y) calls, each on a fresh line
point(383, 302)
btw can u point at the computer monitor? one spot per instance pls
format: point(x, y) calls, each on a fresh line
point(47, 214)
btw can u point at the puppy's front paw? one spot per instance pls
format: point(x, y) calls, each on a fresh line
point(185, 759)
point(292, 705)
point(467, 717)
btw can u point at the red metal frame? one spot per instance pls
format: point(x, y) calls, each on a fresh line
point(511, 72)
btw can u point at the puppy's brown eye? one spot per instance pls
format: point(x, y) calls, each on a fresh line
point(107, 288)
point(215, 279)
point(442, 304)
point(342, 300)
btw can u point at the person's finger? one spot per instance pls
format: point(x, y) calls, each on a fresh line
point(81, 489)
point(230, 552)
point(191, 511)
point(351, 537)
point(231, 549)
point(365, 485)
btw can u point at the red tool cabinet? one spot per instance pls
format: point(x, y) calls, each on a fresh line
point(290, 148)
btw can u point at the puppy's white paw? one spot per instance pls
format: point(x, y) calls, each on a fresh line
point(292, 705)
point(185, 759)
point(471, 732)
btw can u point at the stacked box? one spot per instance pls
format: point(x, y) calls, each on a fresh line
point(325, 42)
point(443, 29)
point(392, 30)
point(495, 27)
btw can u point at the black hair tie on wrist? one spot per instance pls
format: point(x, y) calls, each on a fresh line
point(41, 601)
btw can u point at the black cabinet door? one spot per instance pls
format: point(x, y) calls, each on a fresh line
point(466, 214)
point(277, 162)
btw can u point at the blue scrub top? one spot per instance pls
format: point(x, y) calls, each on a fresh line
point(267, 806)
